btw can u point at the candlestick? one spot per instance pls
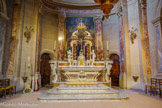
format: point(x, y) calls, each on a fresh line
point(110, 82)
point(107, 45)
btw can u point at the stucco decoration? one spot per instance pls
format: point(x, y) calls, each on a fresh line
point(133, 34)
point(27, 33)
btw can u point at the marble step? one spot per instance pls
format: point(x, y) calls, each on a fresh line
point(47, 98)
point(84, 92)
point(83, 87)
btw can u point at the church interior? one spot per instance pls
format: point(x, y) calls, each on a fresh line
point(81, 53)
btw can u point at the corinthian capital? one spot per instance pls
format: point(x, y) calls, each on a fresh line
point(97, 19)
point(61, 17)
point(119, 11)
point(143, 3)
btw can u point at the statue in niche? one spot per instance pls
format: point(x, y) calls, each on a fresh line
point(108, 68)
point(81, 59)
point(69, 53)
point(133, 34)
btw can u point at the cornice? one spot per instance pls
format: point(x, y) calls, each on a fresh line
point(156, 21)
point(69, 10)
point(72, 5)
point(75, 3)
point(90, 12)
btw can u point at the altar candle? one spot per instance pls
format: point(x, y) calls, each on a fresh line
point(107, 45)
point(54, 47)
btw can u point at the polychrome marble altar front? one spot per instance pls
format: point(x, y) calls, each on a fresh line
point(80, 65)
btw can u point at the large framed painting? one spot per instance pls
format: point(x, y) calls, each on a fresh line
point(72, 24)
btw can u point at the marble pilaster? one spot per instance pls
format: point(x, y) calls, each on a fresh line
point(99, 37)
point(122, 48)
point(146, 37)
point(61, 32)
point(157, 23)
point(121, 36)
point(126, 76)
point(11, 64)
point(38, 40)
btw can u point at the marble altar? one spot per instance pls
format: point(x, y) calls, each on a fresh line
point(80, 65)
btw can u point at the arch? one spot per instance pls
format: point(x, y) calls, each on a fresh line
point(113, 52)
point(115, 70)
point(158, 10)
point(3, 7)
point(45, 69)
point(114, 57)
point(50, 52)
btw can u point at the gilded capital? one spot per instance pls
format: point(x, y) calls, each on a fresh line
point(119, 11)
point(143, 3)
point(61, 17)
point(97, 19)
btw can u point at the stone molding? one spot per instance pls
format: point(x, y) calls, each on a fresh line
point(71, 4)
point(3, 17)
point(119, 11)
point(157, 21)
point(98, 19)
point(143, 3)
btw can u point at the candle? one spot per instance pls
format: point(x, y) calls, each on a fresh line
point(110, 82)
point(54, 47)
point(107, 45)
point(25, 69)
point(28, 59)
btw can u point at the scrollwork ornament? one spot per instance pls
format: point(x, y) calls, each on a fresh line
point(27, 33)
point(98, 19)
point(133, 34)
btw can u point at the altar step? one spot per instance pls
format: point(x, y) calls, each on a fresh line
point(82, 92)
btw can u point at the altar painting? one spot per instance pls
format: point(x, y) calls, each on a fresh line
point(73, 22)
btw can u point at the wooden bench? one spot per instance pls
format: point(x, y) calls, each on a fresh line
point(149, 87)
point(157, 89)
point(6, 87)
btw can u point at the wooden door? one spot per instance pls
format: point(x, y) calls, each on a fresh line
point(45, 69)
point(115, 71)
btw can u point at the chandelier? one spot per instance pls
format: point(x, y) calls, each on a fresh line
point(106, 6)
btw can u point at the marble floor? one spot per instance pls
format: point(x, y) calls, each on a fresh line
point(137, 99)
